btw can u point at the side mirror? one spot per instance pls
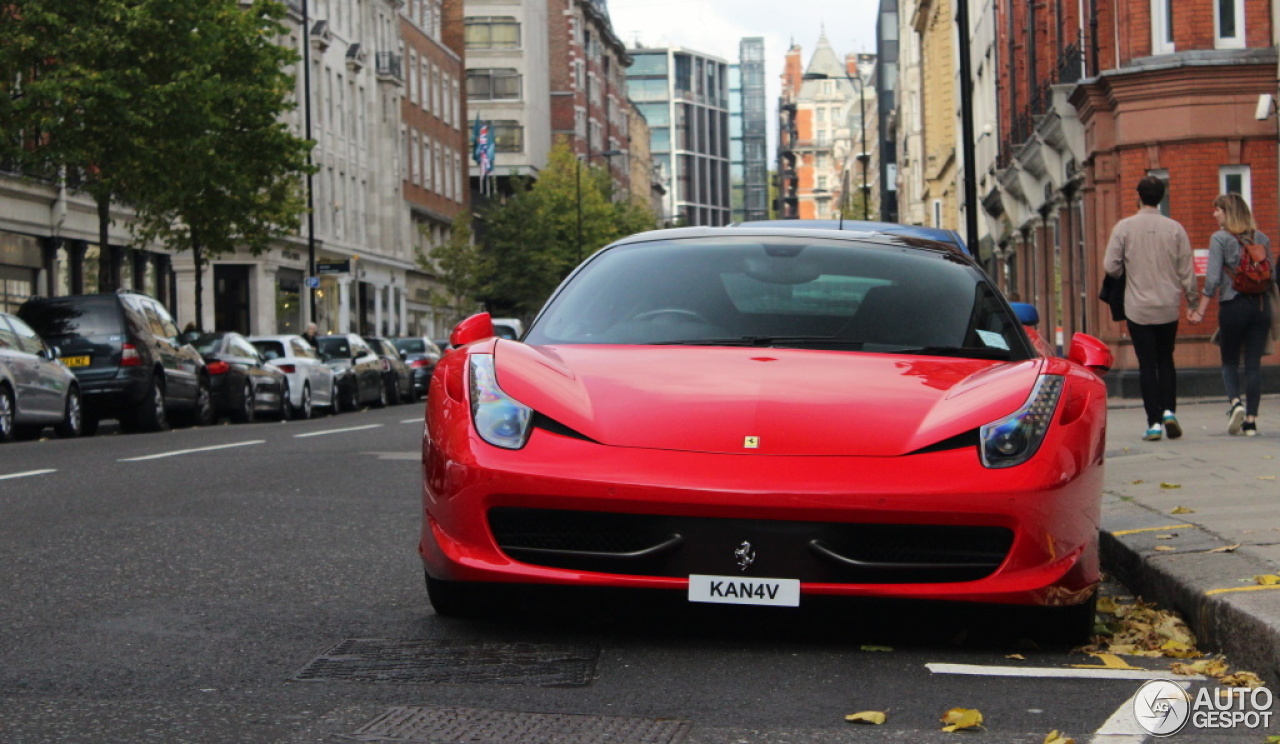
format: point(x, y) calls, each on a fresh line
point(1026, 312)
point(475, 328)
point(1088, 351)
point(50, 352)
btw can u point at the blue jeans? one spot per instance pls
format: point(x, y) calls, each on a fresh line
point(1243, 325)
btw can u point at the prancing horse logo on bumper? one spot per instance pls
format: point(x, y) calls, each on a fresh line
point(745, 554)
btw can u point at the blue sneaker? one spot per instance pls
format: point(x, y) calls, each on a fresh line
point(1171, 427)
point(1154, 433)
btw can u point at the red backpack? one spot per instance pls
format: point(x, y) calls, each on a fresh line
point(1253, 275)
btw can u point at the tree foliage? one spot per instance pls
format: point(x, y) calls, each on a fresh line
point(458, 267)
point(532, 239)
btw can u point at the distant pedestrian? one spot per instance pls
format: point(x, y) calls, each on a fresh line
point(1153, 252)
point(310, 335)
point(1244, 319)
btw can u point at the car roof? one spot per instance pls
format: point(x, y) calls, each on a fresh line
point(940, 234)
point(789, 229)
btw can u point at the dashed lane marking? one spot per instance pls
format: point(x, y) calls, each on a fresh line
point(417, 420)
point(1051, 672)
point(28, 473)
point(175, 453)
point(337, 431)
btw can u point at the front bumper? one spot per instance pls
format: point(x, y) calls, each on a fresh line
point(1049, 509)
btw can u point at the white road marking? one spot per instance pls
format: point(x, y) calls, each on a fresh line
point(192, 451)
point(24, 475)
point(336, 431)
point(417, 420)
point(1053, 672)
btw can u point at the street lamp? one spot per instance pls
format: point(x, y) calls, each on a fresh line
point(311, 210)
point(578, 187)
point(863, 156)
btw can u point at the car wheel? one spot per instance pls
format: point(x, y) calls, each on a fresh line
point(204, 413)
point(150, 415)
point(1070, 625)
point(382, 396)
point(460, 598)
point(287, 411)
point(6, 414)
point(351, 401)
point(244, 413)
point(334, 400)
point(73, 417)
point(305, 410)
point(393, 392)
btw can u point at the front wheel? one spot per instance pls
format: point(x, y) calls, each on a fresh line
point(6, 414)
point(244, 413)
point(461, 599)
point(72, 423)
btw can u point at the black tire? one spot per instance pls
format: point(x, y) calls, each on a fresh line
point(150, 414)
point(351, 401)
point(381, 402)
point(204, 413)
point(1067, 626)
point(72, 424)
point(287, 412)
point(307, 409)
point(393, 392)
point(6, 414)
point(244, 413)
point(461, 599)
point(335, 399)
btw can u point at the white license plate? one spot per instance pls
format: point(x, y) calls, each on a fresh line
point(744, 590)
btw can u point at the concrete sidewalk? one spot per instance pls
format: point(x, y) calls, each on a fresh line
point(1231, 485)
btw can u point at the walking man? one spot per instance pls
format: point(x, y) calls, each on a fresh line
point(1153, 253)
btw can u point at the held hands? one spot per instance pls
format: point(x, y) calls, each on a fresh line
point(1194, 316)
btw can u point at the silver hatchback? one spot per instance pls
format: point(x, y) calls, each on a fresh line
point(36, 390)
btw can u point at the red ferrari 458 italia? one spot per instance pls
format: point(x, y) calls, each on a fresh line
point(762, 416)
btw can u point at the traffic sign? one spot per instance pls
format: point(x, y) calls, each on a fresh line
point(313, 282)
point(334, 267)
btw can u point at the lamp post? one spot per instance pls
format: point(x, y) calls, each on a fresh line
point(863, 156)
point(578, 187)
point(311, 211)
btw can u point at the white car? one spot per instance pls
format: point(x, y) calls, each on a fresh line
point(311, 381)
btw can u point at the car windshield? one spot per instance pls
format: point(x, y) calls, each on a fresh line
point(337, 347)
point(270, 349)
point(59, 319)
point(411, 345)
point(804, 292)
point(207, 343)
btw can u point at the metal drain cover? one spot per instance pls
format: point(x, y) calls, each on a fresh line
point(453, 662)
point(477, 726)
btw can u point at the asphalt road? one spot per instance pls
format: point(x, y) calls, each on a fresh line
point(259, 583)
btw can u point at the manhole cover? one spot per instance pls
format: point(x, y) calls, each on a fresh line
point(478, 726)
point(453, 662)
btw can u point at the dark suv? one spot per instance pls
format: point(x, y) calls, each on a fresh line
point(126, 351)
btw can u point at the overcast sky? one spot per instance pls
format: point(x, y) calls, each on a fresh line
point(715, 26)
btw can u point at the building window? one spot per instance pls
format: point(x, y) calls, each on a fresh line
point(1162, 26)
point(508, 135)
point(492, 32)
point(1228, 24)
point(491, 85)
point(937, 213)
point(1234, 179)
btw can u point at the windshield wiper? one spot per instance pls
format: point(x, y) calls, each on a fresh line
point(763, 341)
point(975, 352)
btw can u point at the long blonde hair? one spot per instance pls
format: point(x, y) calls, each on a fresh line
point(1239, 219)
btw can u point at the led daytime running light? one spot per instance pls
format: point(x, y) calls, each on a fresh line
point(1014, 439)
point(499, 419)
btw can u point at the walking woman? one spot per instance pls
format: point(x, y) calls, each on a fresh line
point(1244, 320)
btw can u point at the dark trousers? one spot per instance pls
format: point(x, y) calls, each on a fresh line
point(1153, 344)
point(1243, 326)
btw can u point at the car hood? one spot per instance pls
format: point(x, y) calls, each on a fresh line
point(793, 401)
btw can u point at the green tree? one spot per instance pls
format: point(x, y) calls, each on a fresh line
point(536, 236)
point(224, 171)
point(459, 268)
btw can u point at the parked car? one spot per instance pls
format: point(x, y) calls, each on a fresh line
point(511, 328)
point(357, 368)
point(443, 345)
point(421, 354)
point(311, 381)
point(36, 390)
point(125, 350)
point(396, 373)
point(766, 416)
point(243, 383)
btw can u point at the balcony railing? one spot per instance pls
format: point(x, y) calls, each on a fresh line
point(388, 65)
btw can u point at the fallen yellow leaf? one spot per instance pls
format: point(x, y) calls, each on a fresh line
point(1056, 738)
point(1242, 679)
point(1136, 483)
point(1207, 667)
point(1226, 549)
point(961, 718)
point(1182, 510)
point(1107, 605)
point(1266, 477)
point(1267, 579)
point(1019, 657)
point(1170, 486)
point(1165, 547)
point(867, 716)
point(877, 648)
point(1179, 650)
point(1165, 537)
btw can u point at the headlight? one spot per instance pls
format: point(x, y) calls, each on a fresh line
point(1013, 440)
point(499, 419)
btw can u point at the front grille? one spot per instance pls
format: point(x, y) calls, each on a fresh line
point(821, 552)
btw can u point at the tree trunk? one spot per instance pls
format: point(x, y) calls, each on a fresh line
point(199, 262)
point(106, 258)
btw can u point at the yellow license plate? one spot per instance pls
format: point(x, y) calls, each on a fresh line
point(76, 361)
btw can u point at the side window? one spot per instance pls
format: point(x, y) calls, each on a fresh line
point(243, 348)
point(28, 340)
point(166, 321)
point(7, 338)
point(153, 320)
point(299, 348)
